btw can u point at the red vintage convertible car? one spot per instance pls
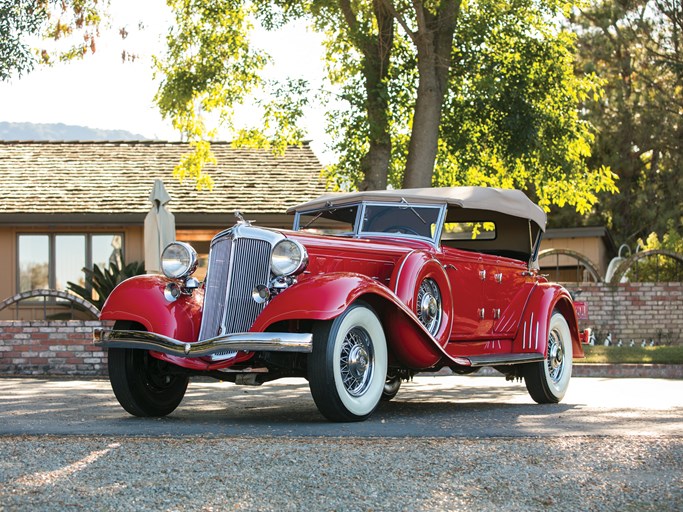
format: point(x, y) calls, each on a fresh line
point(368, 289)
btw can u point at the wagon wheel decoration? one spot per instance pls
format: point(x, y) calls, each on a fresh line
point(631, 262)
point(85, 305)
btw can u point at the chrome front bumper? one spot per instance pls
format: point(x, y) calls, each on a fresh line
point(246, 341)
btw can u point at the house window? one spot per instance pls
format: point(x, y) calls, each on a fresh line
point(52, 260)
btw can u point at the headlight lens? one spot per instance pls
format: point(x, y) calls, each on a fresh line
point(289, 257)
point(178, 260)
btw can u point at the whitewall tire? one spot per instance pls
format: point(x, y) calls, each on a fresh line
point(348, 366)
point(547, 381)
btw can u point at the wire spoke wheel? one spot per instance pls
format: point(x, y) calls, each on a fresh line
point(555, 357)
point(356, 361)
point(428, 305)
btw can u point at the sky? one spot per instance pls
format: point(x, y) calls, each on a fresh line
point(103, 92)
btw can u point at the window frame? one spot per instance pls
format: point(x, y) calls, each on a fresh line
point(52, 251)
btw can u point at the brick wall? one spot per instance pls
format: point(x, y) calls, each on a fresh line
point(59, 347)
point(650, 311)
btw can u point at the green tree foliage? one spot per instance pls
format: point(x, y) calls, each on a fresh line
point(432, 91)
point(512, 116)
point(17, 20)
point(509, 112)
point(66, 29)
point(636, 48)
point(660, 267)
point(210, 69)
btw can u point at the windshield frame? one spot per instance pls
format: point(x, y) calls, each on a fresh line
point(360, 215)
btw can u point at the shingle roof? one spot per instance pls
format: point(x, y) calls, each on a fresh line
point(116, 178)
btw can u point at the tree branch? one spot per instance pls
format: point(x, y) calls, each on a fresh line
point(400, 19)
point(420, 16)
point(349, 15)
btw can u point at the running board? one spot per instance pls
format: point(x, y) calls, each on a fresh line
point(498, 360)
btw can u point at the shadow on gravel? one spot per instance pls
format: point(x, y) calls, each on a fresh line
point(428, 407)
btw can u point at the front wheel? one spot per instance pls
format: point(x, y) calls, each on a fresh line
point(547, 381)
point(348, 366)
point(144, 385)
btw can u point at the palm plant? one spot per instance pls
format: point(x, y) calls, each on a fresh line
point(102, 281)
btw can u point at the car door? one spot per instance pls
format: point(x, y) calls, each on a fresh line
point(506, 288)
point(464, 270)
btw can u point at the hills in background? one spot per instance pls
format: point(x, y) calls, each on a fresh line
point(61, 131)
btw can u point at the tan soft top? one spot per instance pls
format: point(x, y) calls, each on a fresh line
point(510, 202)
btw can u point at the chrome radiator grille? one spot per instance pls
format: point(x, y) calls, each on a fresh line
point(236, 266)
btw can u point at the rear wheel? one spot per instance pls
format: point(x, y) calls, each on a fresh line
point(348, 366)
point(144, 385)
point(547, 381)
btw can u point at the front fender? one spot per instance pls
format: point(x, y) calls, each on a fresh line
point(141, 299)
point(326, 296)
point(321, 297)
point(532, 335)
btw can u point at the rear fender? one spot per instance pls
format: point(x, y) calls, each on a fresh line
point(532, 336)
point(326, 296)
point(141, 299)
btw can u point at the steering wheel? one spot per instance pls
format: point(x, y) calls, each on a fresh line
point(402, 229)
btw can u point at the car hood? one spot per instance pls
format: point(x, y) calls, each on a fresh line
point(375, 257)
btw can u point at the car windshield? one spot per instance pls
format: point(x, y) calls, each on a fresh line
point(330, 221)
point(400, 218)
point(376, 218)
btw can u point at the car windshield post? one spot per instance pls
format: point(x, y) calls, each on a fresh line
point(535, 246)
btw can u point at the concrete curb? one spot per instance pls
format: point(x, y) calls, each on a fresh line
point(629, 371)
point(650, 371)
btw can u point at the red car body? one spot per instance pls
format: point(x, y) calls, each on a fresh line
point(406, 297)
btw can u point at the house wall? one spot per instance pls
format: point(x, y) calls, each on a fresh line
point(629, 311)
point(591, 247)
point(8, 262)
point(133, 251)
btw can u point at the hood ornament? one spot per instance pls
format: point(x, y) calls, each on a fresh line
point(241, 219)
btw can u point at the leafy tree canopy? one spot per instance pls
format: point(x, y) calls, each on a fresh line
point(210, 67)
point(506, 115)
point(636, 48)
point(46, 31)
point(432, 92)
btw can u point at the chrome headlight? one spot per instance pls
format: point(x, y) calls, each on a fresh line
point(289, 257)
point(178, 260)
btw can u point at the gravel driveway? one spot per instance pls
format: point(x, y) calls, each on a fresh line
point(573, 473)
point(454, 443)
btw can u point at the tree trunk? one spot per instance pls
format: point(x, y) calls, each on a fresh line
point(376, 55)
point(434, 43)
point(424, 136)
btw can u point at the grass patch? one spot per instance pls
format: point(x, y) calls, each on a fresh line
point(637, 355)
